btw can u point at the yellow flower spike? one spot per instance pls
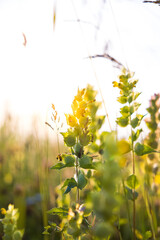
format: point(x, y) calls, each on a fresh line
point(3, 211)
point(71, 120)
point(83, 104)
point(80, 112)
point(74, 106)
point(79, 95)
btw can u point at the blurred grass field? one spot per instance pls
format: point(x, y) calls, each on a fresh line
point(25, 178)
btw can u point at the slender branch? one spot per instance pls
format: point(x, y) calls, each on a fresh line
point(106, 55)
point(151, 2)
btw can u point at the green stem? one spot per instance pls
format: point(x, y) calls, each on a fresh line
point(127, 205)
point(78, 194)
point(133, 171)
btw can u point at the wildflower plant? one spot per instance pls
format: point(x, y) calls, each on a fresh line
point(153, 123)
point(130, 117)
point(81, 133)
point(11, 232)
point(100, 185)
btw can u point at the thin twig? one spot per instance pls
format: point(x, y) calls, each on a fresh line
point(158, 2)
point(106, 55)
point(49, 125)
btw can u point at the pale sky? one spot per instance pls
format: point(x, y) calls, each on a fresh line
point(53, 64)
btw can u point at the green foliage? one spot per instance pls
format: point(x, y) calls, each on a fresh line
point(152, 123)
point(102, 189)
point(132, 181)
point(141, 149)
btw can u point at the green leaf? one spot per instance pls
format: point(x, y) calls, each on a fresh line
point(69, 160)
point(148, 235)
point(78, 150)
point(85, 162)
point(129, 194)
point(125, 111)
point(141, 149)
point(82, 181)
point(133, 96)
point(136, 134)
point(84, 139)
point(122, 121)
point(69, 139)
point(132, 181)
point(70, 183)
point(122, 99)
point(137, 120)
point(134, 107)
point(58, 211)
point(89, 174)
point(58, 166)
point(99, 121)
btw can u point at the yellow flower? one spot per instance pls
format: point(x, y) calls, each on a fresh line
point(71, 120)
point(3, 211)
point(115, 84)
point(74, 106)
point(82, 104)
point(79, 95)
point(80, 112)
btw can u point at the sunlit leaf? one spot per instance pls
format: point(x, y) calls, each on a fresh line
point(122, 121)
point(58, 166)
point(137, 120)
point(148, 235)
point(123, 146)
point(58, 211)
point(141, 149)
point(125, 111)
point(122, 99)
point(69, 160)
point(132, 181)
point(136, 134)
point(70, 140)
point(133, 96)
point(70, 183)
